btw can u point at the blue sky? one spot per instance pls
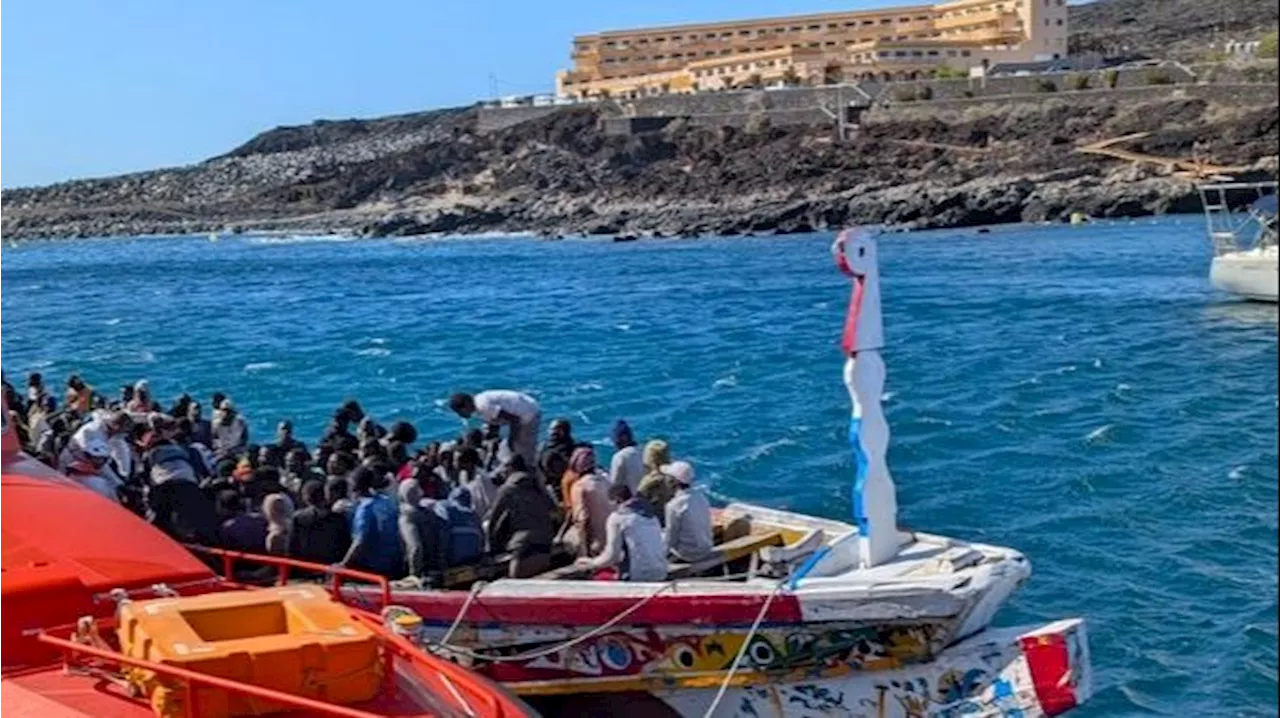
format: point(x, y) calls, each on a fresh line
point(100, 87)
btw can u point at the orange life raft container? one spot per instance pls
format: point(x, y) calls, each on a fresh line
point(295, 639)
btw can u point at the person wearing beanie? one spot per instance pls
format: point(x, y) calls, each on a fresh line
point(463, 537)
point(657, 487)
point(627, 465)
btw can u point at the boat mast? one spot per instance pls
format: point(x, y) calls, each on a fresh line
point(875, 503)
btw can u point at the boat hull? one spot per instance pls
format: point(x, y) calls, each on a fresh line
point(1251, 274)
point(1041, 671)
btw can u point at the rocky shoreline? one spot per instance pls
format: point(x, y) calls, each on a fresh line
point(435, 173)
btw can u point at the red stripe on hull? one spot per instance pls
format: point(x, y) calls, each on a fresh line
point(443, 607)
point(1050, 662)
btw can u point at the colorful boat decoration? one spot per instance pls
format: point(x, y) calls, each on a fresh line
point(792, 612)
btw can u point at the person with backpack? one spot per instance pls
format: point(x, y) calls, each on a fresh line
point(463, 537)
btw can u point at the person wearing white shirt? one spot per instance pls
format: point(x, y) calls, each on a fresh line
point(688, 530)
point(633, 540)
point(627, 465)
point(518, 411)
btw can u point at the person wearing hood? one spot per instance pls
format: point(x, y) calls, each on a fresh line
point(141, 402)
point(463, 536)
point(375, 534)
point(422, 532)
point(587, 504)
point(230, 432)
point(633, 540)
point(320, 534)
point(175, 503)
point(518, 411)
point(627, 466)
point(114, 428)
point(657, 487)
point(523, 521)
point(278, 510)
point(88, 468)
point(688, 531)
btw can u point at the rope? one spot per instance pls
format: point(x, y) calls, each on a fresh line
point(476, 588)
point(733, 669)
point(555, 648)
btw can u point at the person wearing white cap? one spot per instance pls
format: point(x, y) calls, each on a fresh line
point(688, 516)
point(230, 433)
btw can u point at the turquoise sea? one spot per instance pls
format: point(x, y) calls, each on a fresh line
point(1078, 393)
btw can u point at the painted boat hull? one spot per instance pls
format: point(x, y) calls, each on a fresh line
point(1029, 672)
point(545, 637)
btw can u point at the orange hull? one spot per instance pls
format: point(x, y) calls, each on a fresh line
point(64, 548)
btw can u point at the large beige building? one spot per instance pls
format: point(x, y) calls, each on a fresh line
point(892, 43)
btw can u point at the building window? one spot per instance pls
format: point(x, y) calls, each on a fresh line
point(933, 53)
point(965, 53)
point(951, 53)
point(1059, 22)
point(899, 53)
point(868, 22)
point(886, 21)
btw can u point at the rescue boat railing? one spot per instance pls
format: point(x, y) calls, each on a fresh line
point(283, 565)
point(192, 679)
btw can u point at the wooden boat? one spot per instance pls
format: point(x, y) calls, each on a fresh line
point(787, 606)
point(103, 615)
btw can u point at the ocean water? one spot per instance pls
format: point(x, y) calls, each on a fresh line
point(1078, 393)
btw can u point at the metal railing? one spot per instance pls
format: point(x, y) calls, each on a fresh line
point(284, 564)
point(192, 679)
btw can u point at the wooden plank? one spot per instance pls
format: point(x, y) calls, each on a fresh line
point(726, 553)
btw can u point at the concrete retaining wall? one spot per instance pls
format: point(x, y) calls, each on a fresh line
point(490, 119)
point(1246, 95)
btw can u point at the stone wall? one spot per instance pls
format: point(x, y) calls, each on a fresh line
point(490, 119)
point(1248, 94)
point(812, 105)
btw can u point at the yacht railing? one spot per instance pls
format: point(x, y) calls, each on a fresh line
point(1231, 231)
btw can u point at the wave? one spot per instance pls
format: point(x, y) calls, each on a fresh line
point(767, 448)
point(259, 366)
point(1100, 435)
point(725, 382)
point(113, 321)
point(292, 239)
point(374, 352)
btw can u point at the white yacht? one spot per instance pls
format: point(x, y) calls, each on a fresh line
point(1245, 251)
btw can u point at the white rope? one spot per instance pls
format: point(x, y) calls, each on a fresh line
point(733, 669)
point(444, 643)
point(476, 588)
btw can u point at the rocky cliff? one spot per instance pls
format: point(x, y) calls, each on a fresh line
point(433, 172)
point(436, 172)
point(1184, 29)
